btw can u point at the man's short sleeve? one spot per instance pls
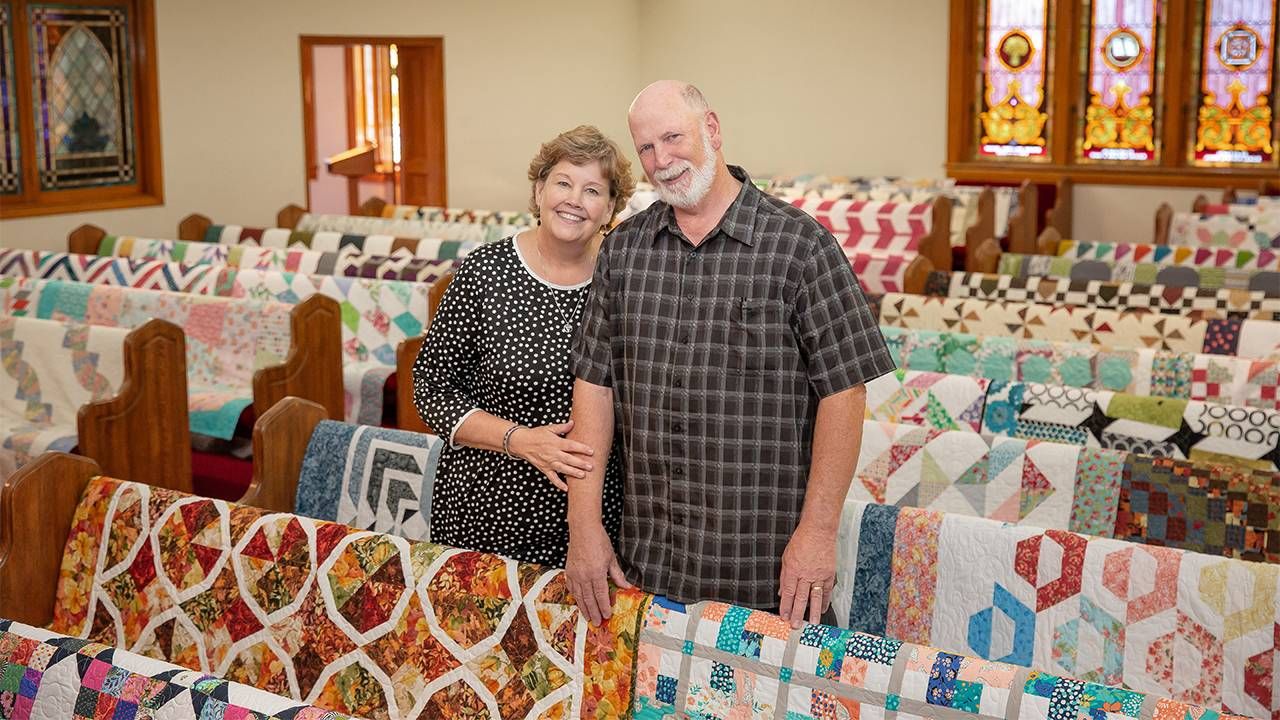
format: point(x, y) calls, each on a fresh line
point(838, 333)
point(592, 353)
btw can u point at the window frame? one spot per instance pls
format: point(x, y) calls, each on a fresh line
point(1066, 105)
point(149, 186)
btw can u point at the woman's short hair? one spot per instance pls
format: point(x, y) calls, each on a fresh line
point(581, 145)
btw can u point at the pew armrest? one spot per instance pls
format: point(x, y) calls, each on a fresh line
point(407, 417)
point(37, 506)
point(193, 227)
point(313, 369)
point(143, 433)
point(280, 439)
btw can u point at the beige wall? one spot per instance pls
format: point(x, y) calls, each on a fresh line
point(838, 86)
point(827, 86)
point(231, 107)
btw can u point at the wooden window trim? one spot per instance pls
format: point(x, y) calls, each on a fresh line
point(149, 190)
point(1172, 170)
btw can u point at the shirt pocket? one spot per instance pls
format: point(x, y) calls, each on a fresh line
point(759, 336)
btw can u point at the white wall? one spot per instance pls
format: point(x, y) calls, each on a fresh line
point(837, 86)
point(328, 192)
point(516, 73)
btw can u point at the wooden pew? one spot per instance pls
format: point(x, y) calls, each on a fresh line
point(143, 431)
point(31, 543)
point(313, 369)
point(372, 207)
point(280, 439)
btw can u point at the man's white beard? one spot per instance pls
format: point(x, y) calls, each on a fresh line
point(699, 183)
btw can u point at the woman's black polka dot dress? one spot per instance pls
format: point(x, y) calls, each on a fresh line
point(500, 343)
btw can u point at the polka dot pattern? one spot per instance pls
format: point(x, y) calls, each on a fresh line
point(499, 343)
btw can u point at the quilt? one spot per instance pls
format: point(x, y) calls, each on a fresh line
point(360, 225)
point(1143, 273)
point(362, 623)
point(1167, 427)
point(429, 213)
point(309, 262)
point(48, 370)
point(1045, 484)
point(47, 676)
point(871, 226)
point(336, 242)
point(370, 477)
point(945, 402)
point(203, 279)
point(712, 661)
point(1144, 371)
point(1261, 232)
point(1167, 299)
point(1238, 259)
point(880, 273)
point(227, 339)
point(1193, 627)
point(1209, 508)
point(1259, 339)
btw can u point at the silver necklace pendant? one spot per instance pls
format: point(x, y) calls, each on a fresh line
point(568, 329)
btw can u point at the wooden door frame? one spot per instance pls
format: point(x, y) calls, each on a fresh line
point(306, 43)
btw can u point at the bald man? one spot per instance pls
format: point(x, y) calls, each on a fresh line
point(727, 341)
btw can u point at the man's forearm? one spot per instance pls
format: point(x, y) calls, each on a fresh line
point(592, 425)
point(837, 440)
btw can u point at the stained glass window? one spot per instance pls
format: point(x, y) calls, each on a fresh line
point(1234, 122)
point(10, 169)
point(1124, 61)
point(1013, 118)
point(82, 96)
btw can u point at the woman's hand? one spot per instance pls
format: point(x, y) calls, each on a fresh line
point(546, 449)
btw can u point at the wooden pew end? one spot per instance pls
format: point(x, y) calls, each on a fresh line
point(37, 506)
point(372, 207)
point(1164, 218)
point(85, 239)
point(407, 417)
point(986, 259)
point(280, 439)
point(1047, 243)
point(193, 227)
point(289, 216)
point(149, 409)
point(917, 275)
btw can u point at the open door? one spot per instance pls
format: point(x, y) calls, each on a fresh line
point(373, 117)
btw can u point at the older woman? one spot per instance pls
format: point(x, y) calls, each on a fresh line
point(494, 375)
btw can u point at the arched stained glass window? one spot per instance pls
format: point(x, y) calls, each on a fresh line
point(1013, 121)
point(1234, 121)
point(10, 165)
point(83, 97)
point(1124, 59)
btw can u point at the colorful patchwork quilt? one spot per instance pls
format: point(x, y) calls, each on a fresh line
point(1165, 427)
point(47, 676)
point(377, 315)
point(1045, 484)
point(880, 273)
point(360, 225)
point(712, 661)
point(1261, 232)
point(1258, 339)
point(1192, 627)
point(1237, 259)
point(227, 339)
point(48, 370)
point(1210, 508)
point(310, 262)
point(427, 213)
point(1143, 273)
point(370, 477)
point(945, 402)
point(1167, 299)
point(1191, 376)
point(872, 227)
point(336, 242)
point(363, 623)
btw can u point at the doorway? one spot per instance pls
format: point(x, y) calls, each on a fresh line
point(373, 121)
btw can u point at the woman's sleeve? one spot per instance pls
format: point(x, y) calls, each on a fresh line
point(444, 373)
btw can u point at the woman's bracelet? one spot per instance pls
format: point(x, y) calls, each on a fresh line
point(506, 439)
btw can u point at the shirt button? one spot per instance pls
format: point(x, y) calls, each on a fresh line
point(684, 339)
point(679, 382)
point(677, 518)
point(678, 427)
point(679, 471)
point(688, 296)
